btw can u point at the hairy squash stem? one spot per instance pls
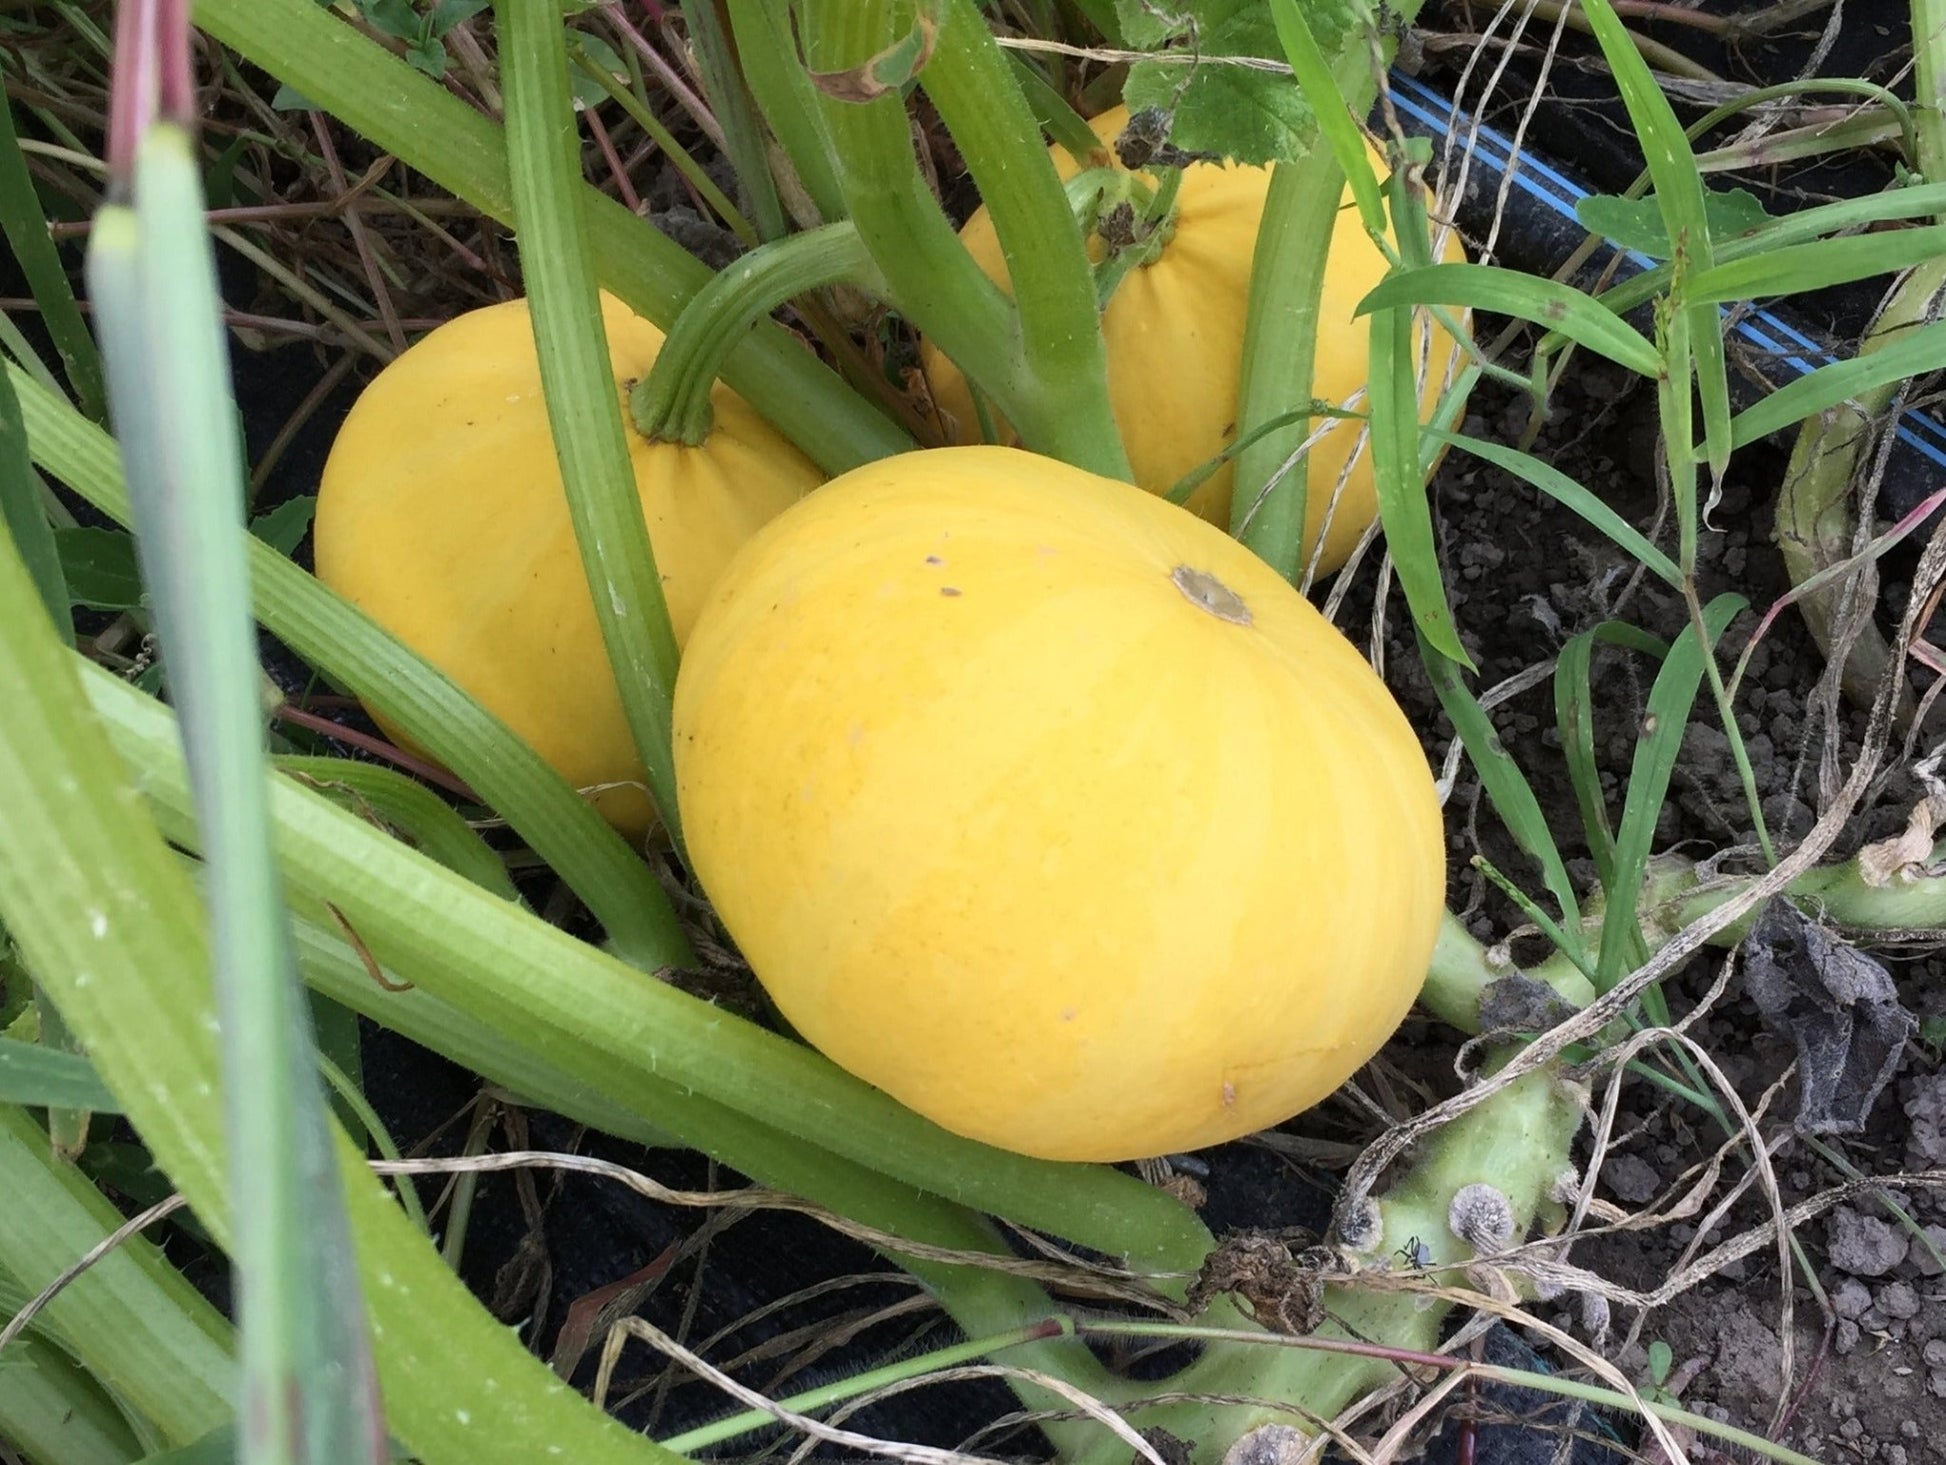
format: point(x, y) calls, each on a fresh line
point(1041, 361)
point(673, 401)
point(544, 159)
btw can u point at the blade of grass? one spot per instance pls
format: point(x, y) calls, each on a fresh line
point(47, 1078)
point(1679, 195)
point(24, 223)
point(25, 518)
point(130, 1318)
point(51, 1411)
point(1670, 700)
point(1569, 494)
point(1560, 308)
point(1402, 504)
point(107, 920)
point(1920, 351)
point(1508, 788)
point(428, 129)
point(332, 635)
point(730, 99)
point(1574, 720)
point(543, 154)
point(1793, 269)
point(1336, 123)
point(308, 1391)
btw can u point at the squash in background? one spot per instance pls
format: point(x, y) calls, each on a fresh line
point(1174, 331)
point(442, 515)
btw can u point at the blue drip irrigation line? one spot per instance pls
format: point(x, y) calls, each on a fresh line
point(1776, 337)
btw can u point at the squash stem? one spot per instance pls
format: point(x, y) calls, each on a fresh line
point(672, 402)
point(784, 93)
point(1043, 364)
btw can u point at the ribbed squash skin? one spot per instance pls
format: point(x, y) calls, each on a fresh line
point(1011, 828)
point(442, 515)
point(1174, 334)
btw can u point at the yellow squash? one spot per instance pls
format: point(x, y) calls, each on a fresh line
point(442, 515)
point(1174, 334)
point(1047, 808)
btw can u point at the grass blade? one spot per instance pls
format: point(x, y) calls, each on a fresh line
point(1921, 351)
point(1569, 494)
point(1670, 701)
point(1335, 121)
point(308, 1389)
point(1402, 505)
point(1796, 268)
point(1548, 303)
point(45, 1078)
point(50, 1409)
point(24, 222)
point(1574, 720)
point(26, 520)
point(1508, 788)
point(582, 406)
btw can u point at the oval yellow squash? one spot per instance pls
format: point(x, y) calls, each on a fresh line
point(1047, 808)
point(442, 515)
point(1174, 334)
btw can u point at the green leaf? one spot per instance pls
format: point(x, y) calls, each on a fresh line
point(284, 527)
point(100, 568)
point(1637, 224)
point(1919, 352)
point(45, 1078)
point(1566, 492)
point(1670, 701)
point(24, 513)
point(1801, 267)
point(1249, 115)
point(427, 55)
point(396, 18)
point(288, 98)
point(23, 220)
point(448, 13)
point(1580, 317)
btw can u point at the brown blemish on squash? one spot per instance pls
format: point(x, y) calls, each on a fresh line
point(1207, 593)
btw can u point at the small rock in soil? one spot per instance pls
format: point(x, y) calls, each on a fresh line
point(1749, 1364)
point(1850, 1299)
point(1898, 1300)
point(1925, 1106)
point(1862, 1245)
point(1631, 1178)
point(1923, 1259)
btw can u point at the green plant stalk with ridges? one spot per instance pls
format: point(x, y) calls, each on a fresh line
point(517, 975)
point(390, 799)
point(307, 1385)
point(131, 1319)
point(1041, 358)
point(1517, 1141)
point(673, 401)
point(24, 223)
point(407, 114)
point(344, 643)
point(784, 92)
point(736, 114)
point(43, 1077)
point(54, 1412)
point(108, 922)
point(544, 158)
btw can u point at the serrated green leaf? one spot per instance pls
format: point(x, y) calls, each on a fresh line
point(100, 568)
point(1636, 223)
point(284, 527)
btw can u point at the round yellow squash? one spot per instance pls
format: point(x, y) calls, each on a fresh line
point(442, 515)
point(1050, 810)
point(1174, 334)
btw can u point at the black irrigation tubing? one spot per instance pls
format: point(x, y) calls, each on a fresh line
point(1539, 231)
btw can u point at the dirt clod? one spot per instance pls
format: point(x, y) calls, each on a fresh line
point(1862, 1245)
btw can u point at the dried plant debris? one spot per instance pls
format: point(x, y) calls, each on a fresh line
point(1837, 1005)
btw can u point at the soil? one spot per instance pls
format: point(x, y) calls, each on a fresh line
point(794, 1305)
